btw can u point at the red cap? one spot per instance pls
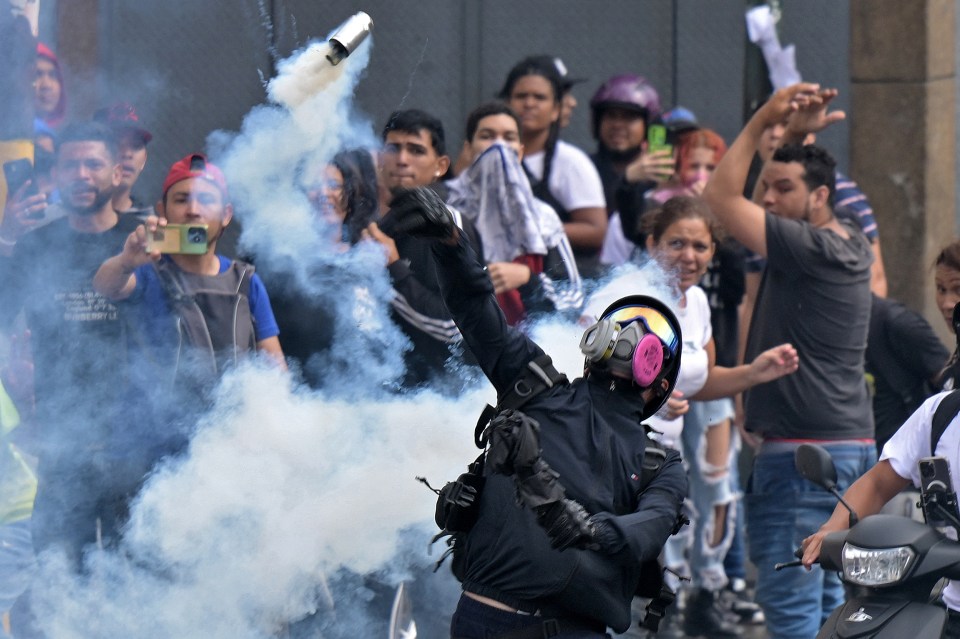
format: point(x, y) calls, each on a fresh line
point(195, 165)
point(122, 116)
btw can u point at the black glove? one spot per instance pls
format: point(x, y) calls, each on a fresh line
point(567, 524)
point(514, 443)
point(419, 212)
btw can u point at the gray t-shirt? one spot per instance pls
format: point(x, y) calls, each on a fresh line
point(815, 294)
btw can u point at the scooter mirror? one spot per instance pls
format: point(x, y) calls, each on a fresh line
point(814, 464)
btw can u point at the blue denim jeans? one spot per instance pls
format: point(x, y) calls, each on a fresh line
point(709, 488)
point(782, 509)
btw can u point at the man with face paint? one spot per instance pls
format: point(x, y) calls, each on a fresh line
point(77, 343)
point(815, 293)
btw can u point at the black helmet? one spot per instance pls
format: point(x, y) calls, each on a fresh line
point(622, 341)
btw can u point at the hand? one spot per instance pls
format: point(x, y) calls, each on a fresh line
point(514, 440)
point(508, 276)
point(774, 363)
point(676, 405)
point(657, 166)
point(373, 232)
point(567, 524)
point(786, 101)
point(812, 117)
point(134, 251)
point(22, 213)
point(696, 189)
point(419, 212)
point(811, 547)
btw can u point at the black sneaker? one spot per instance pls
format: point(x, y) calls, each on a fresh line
point(736, 598)
point(705, 616)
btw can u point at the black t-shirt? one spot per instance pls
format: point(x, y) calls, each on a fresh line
point(76, 334)
point(903, 356)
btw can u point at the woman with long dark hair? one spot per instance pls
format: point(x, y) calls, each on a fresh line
point(561, 174)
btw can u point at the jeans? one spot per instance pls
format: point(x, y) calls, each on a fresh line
point(782, 509)
point(735, 563)
point(709, 487)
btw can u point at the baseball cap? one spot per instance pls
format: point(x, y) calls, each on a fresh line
point(195, 165)
point(566, 82)
point(123, 116)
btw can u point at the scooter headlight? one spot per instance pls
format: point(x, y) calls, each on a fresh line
point(876, 566)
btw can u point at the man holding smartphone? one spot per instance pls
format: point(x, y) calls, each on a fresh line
point(195, 197)
point(76, 340)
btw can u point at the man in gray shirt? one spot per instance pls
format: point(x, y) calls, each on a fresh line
point(815, 294)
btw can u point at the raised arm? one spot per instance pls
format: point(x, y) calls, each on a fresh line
point(743, 219)
point(115, 279)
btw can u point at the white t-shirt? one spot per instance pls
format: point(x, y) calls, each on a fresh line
point(574, 180)
point(694, 318)
point(910, 444)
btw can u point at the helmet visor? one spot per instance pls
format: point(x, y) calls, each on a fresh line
point(653, 322)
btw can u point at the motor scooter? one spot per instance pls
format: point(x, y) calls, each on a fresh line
point(889, 564)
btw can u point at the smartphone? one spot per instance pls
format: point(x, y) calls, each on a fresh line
point(182, 239)
point(936, 485)
point(16, 173)
point(657, 139)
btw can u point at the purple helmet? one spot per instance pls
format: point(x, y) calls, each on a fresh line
point(627, 91)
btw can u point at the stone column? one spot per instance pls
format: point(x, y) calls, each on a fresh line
point(902, 136)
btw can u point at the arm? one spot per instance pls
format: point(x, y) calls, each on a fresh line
point(743, 219)
point(587, 227)
point(115, 279)
point(768, 366)
point(850, 198)
point(501, 351)
point(414, 302)
point(878, 276)
point(646, 529)
point(271, 347)
point(866, 496)
point(558, 287)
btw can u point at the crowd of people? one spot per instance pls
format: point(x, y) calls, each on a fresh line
point(772, 256)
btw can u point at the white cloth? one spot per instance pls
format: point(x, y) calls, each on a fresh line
point(694, 318)
point(574, 180)
point(910, 444)
point(494, 193)
point(617, 249)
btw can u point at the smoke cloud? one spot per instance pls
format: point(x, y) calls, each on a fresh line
point(290, 502)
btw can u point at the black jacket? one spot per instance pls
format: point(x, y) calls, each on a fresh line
point(589, 434)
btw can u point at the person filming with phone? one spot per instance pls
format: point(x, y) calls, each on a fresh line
point(175, 254)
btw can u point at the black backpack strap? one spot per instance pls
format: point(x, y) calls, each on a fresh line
point(539, 375)
point(948, 408)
